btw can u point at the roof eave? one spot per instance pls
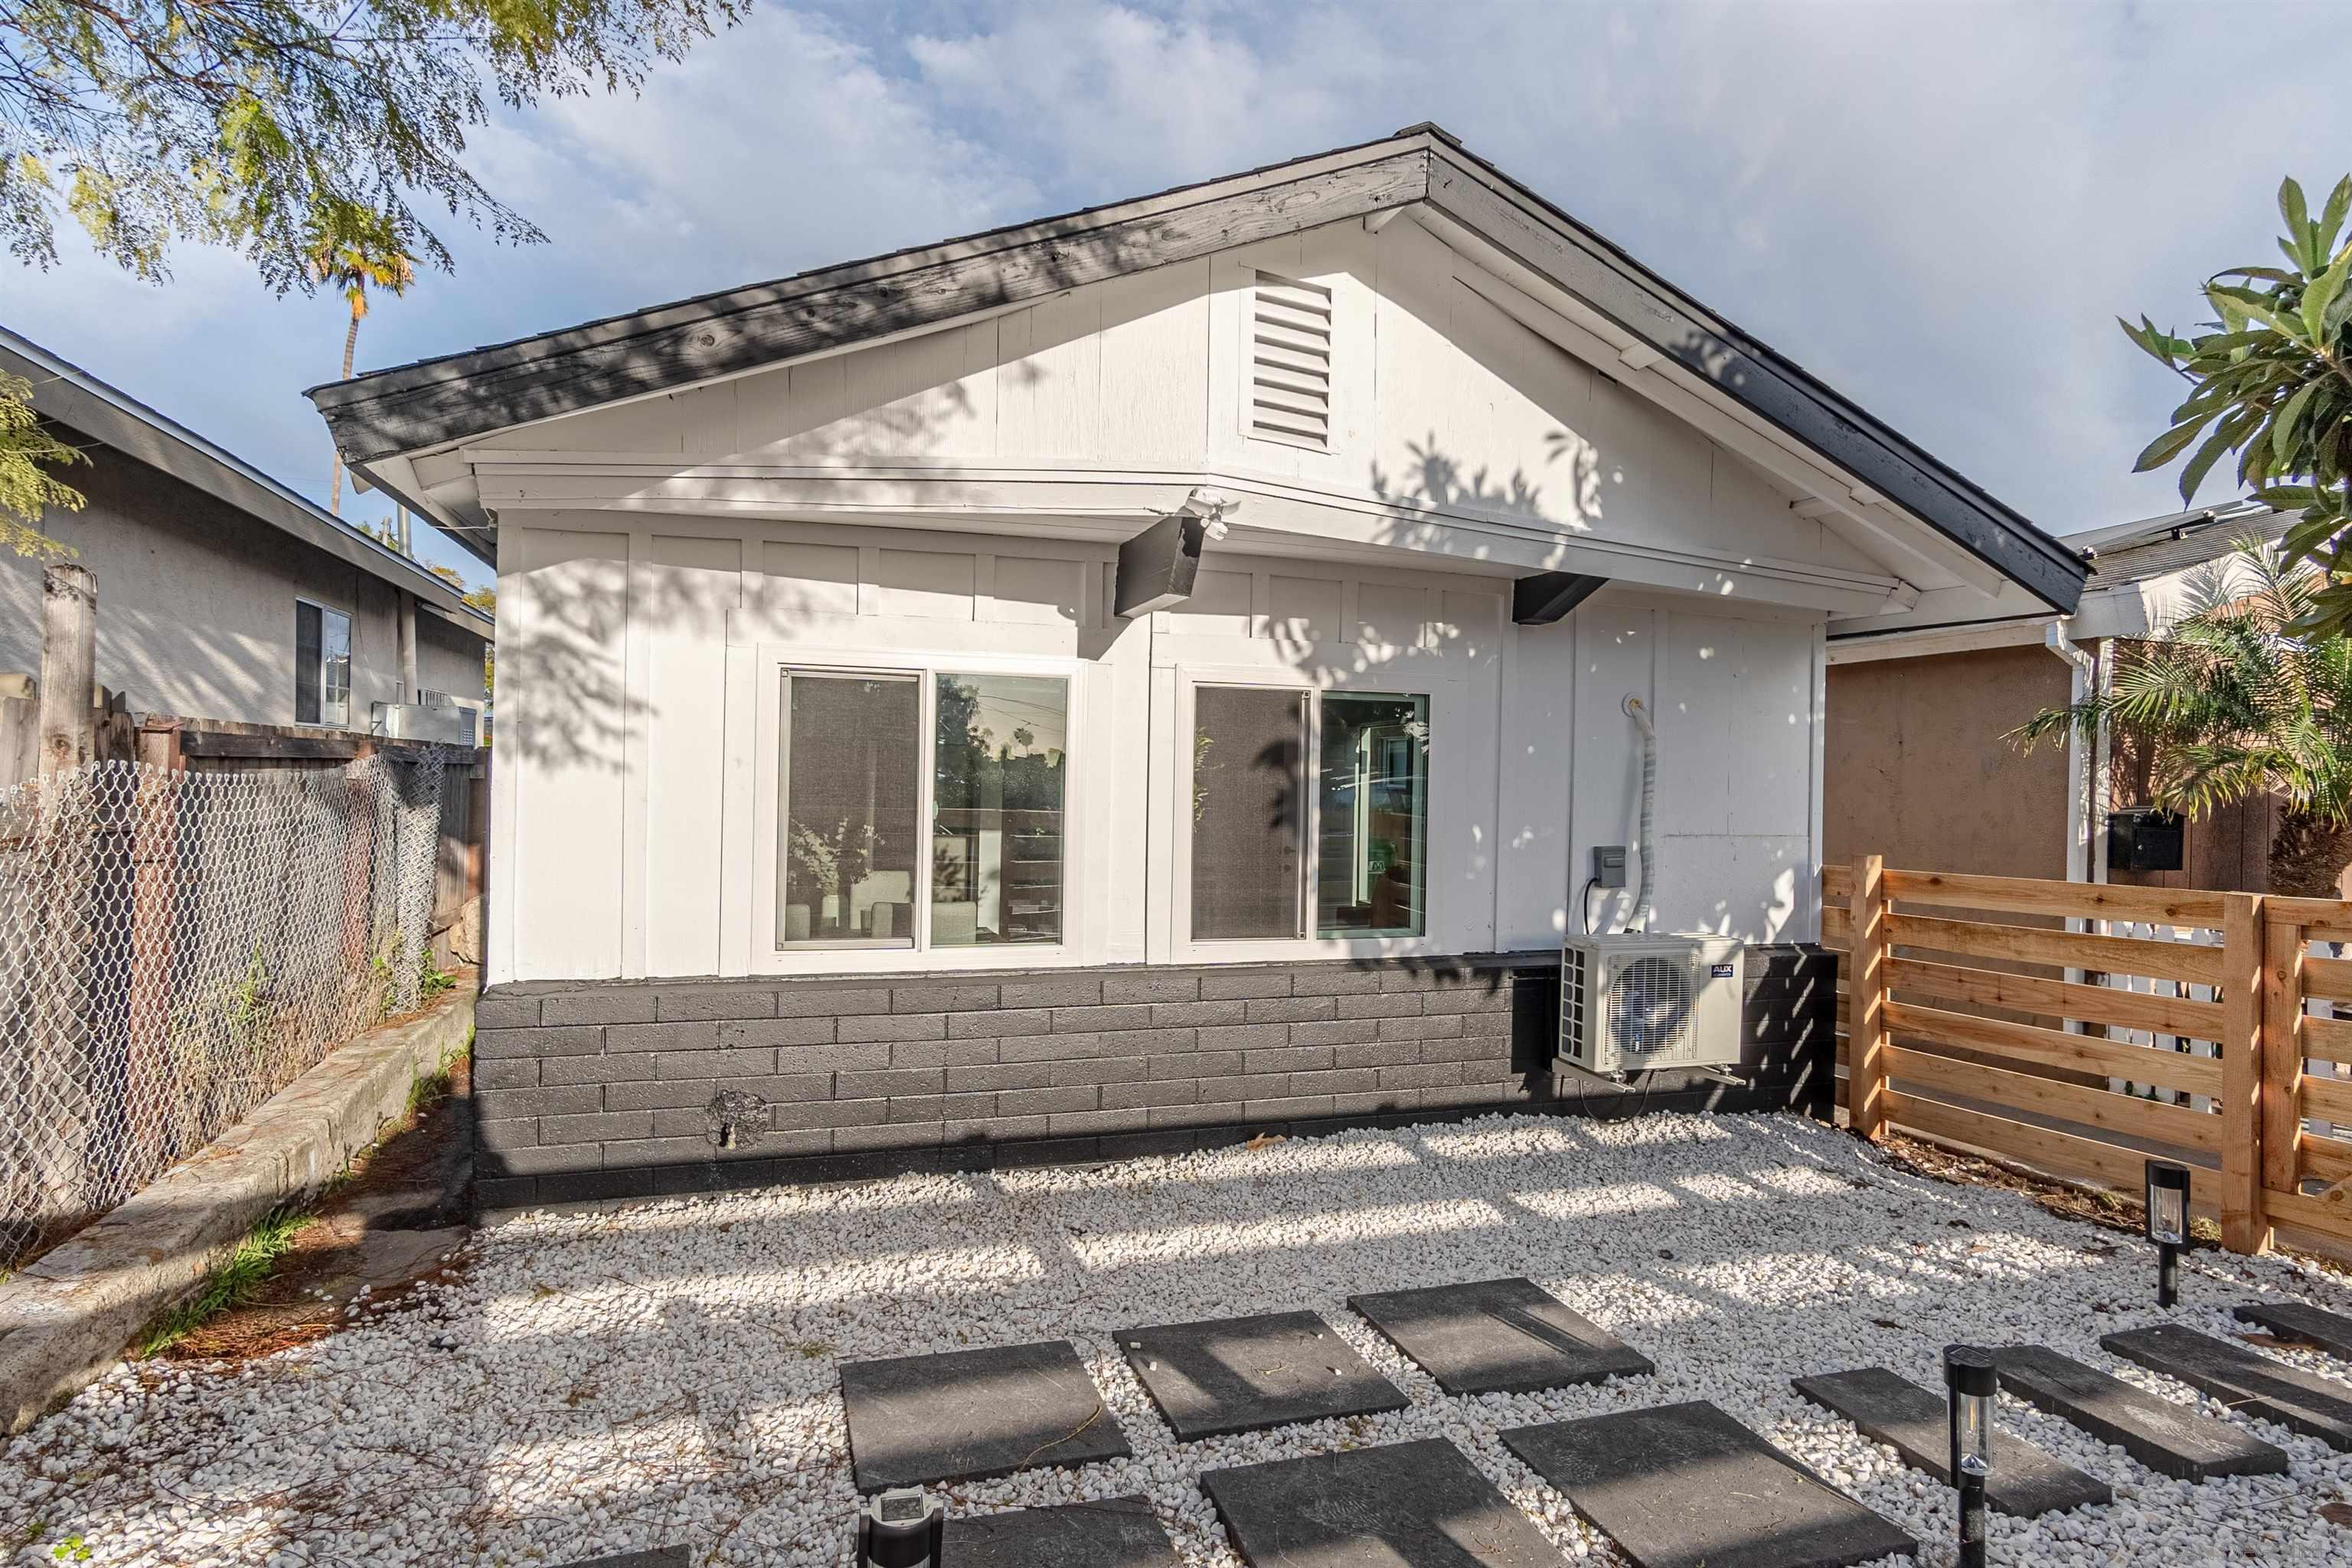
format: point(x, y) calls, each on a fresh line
point(1549, 242)
point(72, 397)
point(441, 403)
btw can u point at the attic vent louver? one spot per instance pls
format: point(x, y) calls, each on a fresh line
point(1290, 362)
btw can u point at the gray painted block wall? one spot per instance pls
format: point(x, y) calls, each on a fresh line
point(606, 1088)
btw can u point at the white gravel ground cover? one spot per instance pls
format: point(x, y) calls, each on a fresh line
point(667, 1373)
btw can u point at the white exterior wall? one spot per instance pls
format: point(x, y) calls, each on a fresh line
point(958, 497)
point(635, 833)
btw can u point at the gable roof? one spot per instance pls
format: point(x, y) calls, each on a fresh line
point(2158, 546)
point(69, 395)
point(440, 403)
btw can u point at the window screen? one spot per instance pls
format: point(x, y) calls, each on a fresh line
point(1249, 801)
point(850, 814)
point(1000, 769)
point(1371, 815)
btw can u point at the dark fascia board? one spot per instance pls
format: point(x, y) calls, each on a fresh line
point(1546, 241)
point(66, 396)
point(441, 402)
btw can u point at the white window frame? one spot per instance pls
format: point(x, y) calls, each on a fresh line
point(869, 958)
point(1443, 694)
point(351, 644)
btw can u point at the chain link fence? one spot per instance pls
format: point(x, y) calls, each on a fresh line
point(176, 946)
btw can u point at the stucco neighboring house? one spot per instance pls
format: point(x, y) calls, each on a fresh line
point(1142, 674)
point(1919, 768)
point(222, 595)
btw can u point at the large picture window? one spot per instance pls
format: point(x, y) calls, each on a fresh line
point(1310, 814)
point(921, 810)
point(322, 664)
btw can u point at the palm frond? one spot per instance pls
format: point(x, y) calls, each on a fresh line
point(2232, 703)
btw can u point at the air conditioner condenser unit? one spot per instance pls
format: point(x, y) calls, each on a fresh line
point(1631, 1003)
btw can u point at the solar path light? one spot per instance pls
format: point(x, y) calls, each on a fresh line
point(1970, 1376)
point(2167, 1225)
point(901, 1528)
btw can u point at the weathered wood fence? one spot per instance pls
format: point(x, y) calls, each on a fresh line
point(2003, 1015)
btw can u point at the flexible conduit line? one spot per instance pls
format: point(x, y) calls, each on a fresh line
point(1640, 715)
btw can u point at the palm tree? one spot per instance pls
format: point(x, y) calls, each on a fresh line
point(2231, 707)
point(355, 252)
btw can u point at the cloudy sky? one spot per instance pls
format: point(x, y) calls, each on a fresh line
point(1939, 208)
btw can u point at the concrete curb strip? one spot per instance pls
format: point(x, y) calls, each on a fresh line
point(66, 1318)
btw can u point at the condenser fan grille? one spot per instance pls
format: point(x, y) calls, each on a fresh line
point(1650, 1007)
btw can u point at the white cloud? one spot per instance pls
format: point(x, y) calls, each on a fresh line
point(1939, 208)
point(1106, 94)
point(780, 146)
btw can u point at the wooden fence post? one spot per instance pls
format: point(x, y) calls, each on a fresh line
point(2281, 1056)
point(2244, 1228)
point(69, 664)
point(154, 1129)
point(1867, 988)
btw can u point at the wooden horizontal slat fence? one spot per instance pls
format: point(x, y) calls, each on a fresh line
point(2079, 1029)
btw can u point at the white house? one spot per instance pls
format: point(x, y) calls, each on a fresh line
point(1190, 630)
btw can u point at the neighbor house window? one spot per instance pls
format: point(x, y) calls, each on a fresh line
point(322, 664)
point(1310, 814)
point(904, 794)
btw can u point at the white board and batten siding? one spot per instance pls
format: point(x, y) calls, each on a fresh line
point(955, 499)
point(638, 771)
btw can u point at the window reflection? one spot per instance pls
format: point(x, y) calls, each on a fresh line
point(1000, 782)
point(1372, 809)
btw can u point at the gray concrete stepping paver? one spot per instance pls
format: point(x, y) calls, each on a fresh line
point(964, 1415)
point(1115, 1532)
point(659, 1557)
point(1499, 1336)
point(1245, 1374)
point(2025, 1483)
point(2170, 1439)
point(2331, 1331)
point(1400, 1505)
point(1687, 1486)
point(2244, 1379)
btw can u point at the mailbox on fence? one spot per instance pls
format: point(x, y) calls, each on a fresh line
point(2143, 838)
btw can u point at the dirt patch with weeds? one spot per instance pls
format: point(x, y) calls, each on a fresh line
point(373, 1227)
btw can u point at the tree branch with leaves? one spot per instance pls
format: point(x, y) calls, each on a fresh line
point(27, 489)
point(2273, 384)
point(263, 125)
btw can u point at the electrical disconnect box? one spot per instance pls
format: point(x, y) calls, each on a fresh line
point(1609, 865)
point(2142, 838)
